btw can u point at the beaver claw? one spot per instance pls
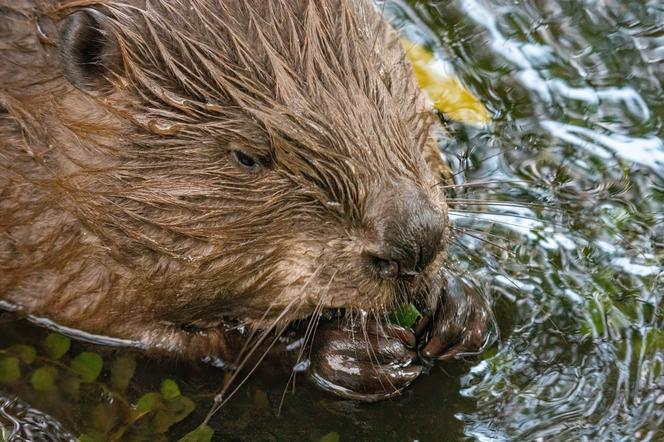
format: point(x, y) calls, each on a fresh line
point(458, 327)
point(366, 363)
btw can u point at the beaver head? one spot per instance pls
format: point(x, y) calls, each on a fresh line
point(190, 162)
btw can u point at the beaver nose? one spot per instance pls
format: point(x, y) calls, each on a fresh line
point(408, 231)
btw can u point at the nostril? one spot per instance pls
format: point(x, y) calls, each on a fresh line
point(386, 269)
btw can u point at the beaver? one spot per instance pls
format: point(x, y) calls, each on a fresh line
point(183, 175)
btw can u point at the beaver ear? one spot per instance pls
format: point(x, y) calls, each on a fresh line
point(88, 51)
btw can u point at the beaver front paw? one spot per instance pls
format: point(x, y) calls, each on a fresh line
point(366, 362)
point(458, 327)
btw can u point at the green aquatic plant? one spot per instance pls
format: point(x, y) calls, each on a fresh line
point(405, 315)
point(53, 373)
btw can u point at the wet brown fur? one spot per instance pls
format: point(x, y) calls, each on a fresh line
point(121, 212)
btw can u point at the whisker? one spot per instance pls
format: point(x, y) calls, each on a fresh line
point(319, 312)
point(373, 356)
point(479, 183)
point(507, 215)
point(309, 335)
point(264, 335)
point(492, 267)
point(488, 157)
point(478, 231)
point(479, 238)
point(253, 344)
point(473, 202)
point(469, 252)
point(219, 400)
point(493, 222)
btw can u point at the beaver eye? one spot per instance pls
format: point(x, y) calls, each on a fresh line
point(244, 160)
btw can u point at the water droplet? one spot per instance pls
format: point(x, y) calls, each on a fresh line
point(176, 100)
point(214, 107)
point(295, 344)
point(161, 128)
point(302, 366)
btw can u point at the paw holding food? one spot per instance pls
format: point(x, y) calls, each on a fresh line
point(369, 361)
point(458, 327)
point(366, 362)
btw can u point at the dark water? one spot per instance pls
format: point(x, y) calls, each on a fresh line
point(574, 269)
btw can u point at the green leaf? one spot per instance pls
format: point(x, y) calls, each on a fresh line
point(86, 438)
point(405, 315)
point(10, 369)
point(56, 345)
point(181, 407)
point(104, 418)
point(200, 434)
point(26, 353)
point(148, 402)
point(332, 436)
point(43, 378)
point(87, 365)
point(169, 389)
point(163, 420)
point(70, 384)
point(122, 370)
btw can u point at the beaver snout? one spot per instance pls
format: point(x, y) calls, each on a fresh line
point(407, 230)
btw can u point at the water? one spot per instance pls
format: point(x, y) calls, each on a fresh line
point(574, 271)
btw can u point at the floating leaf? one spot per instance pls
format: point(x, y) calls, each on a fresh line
point(148, 402)
point(43, 378)
point(332, 436)
point(200, 434)
point(56, 345)
point(87, 365)
point(10, 369)
point(162, 421)
point(442, 87)
point(70, 384)
point(122, 370)
point(180, 407)
point(103, 418)
point(405, 315)
point(26, 353)
point(169, 389)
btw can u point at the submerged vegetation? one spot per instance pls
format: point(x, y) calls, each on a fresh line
point(49, 375)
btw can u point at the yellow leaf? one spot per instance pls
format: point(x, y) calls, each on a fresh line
point(443, 88)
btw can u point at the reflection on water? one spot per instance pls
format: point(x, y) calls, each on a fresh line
point(19, 421)
point(575, 271)
point(576, 91)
